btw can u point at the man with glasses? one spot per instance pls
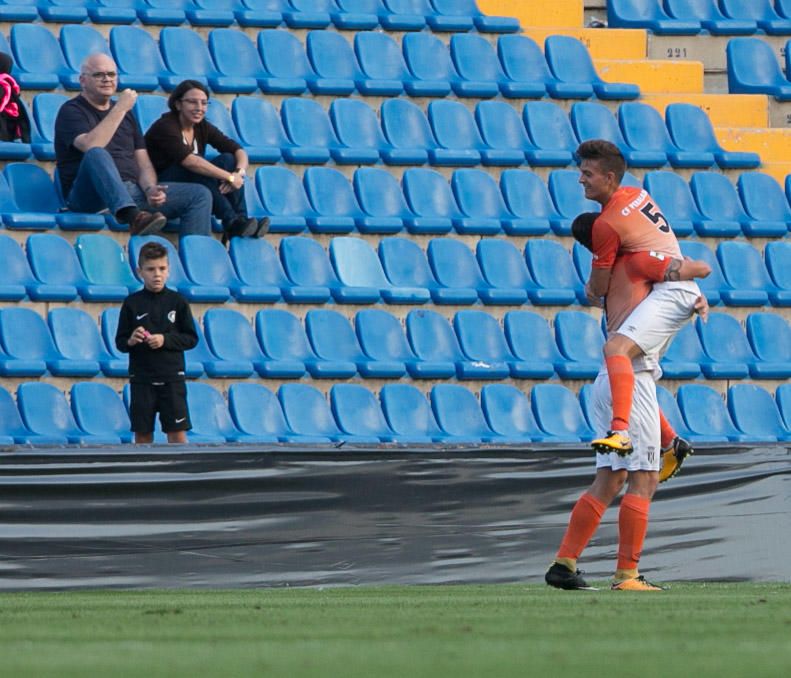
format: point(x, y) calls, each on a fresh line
point(103, 163)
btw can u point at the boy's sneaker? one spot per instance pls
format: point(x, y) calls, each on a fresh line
point(672, 458)
point(562, 577)
point(146, 223)
point(614, 441)
point(637, 584)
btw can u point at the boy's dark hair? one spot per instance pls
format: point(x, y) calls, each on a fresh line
point(151, 250)
point(606, 153)
point(582, 228)
point(181, 89)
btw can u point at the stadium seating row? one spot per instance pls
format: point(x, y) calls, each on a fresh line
point(401, 414)
point(753, 69)
point(327, 64)
point(473, 346)
point(689, 17)
point(399, 15)
point(398, 272)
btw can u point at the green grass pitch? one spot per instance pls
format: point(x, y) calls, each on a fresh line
point(496, 631)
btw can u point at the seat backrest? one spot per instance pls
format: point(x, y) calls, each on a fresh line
point(307, 411)
point(379, 56)
point(135, 51)
point(283, 55)
point(752, 63)
point(75, 334)
point(25, 336)
point(724, 340)
point(306, 262)
point(32, 188)
point(10, 420)
point(431, 336)
point(44, 409)
point(743, 266)
point(109, 326)
point(475, 58)
point(690, 128)
point(526, 194)
point(685, 347)
point(307, 123)
point(206, 261)
point(230, 336)
point(234, 53)
point(281, 335)
point(356, 124)
point(763, 197)
point(477, 194)
point(220, 117)
point(356, 263)
point(185, 53)
point(453, 125)
point(454, 265)
point(458, 412)
point(507, 411)
point(777, 257)
point(530, 337)
point(704, 410)
point(500, 126)
point(78, 41)
point(557, 412)
point(783, 400)
point(481, 337)
point(256, 410)
point(407, 411)
point(642, 127)
point(46, 106)
point(281, 191)
point(405, 264)
point(428, 57)
point(569, 60)
point(568, 195)
point(583, 260)
point(579, 336)
point(522, 59)
point(669, 407)
point(330, 192)
point(429, 194)
point(15, 269)
point(381, 336)
point(104, 261)
point(53, 260)
point(258, 123)
point(208, 411)
point(331, 55)
point(36, 50)
point(99, 410)
point(716, 197)
point(257, 263)
point(549, 126)
point(405, 126)
point(379, 193)
point(503, 265)
point(758, 10)
point(148, 109)
point(769, 335)
point(714, 282)
point(754, 412)
point(357, 411)
point(550, 265)
point(592, 120)
point(673, 194)
point(331, 336)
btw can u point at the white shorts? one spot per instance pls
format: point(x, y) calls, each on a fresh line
point(643, 425)
point(656, 319)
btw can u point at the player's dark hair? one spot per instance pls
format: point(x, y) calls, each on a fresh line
point(181, 89)
point(606, 153)
point(582, 229)
point(151, 250)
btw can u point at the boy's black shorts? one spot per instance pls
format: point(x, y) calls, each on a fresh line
point(168, 398)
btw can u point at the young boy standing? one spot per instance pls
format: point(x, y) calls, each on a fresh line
point(155, 327)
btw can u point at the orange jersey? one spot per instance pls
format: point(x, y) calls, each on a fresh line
point(631, 222)
point(631, 281)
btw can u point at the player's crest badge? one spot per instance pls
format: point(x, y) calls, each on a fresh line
point(172, 316)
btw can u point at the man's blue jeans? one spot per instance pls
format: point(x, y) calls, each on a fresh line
point(98, 186)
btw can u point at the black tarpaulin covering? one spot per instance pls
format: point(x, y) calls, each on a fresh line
point(231, 517)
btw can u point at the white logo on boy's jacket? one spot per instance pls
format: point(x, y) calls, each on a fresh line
point(172, 316)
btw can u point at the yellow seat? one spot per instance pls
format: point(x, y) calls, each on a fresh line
point(556, 13)
point(654, 75)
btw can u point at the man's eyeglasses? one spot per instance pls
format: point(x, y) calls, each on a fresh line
point(203, 103)
point(103, 75)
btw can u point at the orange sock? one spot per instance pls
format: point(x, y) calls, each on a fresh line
point(621, 376)
point(585, 518)
point(632, 526)
point(667, 431)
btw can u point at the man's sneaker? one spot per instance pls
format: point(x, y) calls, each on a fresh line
point(637, 584)
point(146, 223)
point(672, 458)
point(614, 441)
point(562, 577)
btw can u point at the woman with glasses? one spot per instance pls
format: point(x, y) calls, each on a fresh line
point(177, 146)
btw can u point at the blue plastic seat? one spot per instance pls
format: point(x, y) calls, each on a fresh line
point(76, 337)
point(669, 406)
point(104, 262)
point(256, 411)
point(357, 128)
point(307, 264)
point(502, 131)
point(754, 413)
point(483, 22)
point(479, 70)
point(29, 349)
point(230, 337)
point(550, 132)
point(45, 110)
point(571, 63)
point(648, 14)
point(770, 340)
point(77, 42)
point(406, 265)
point(45, 411)
point(726, 346)
point(684, 356)
point(430, 201)
point(527, 197)
point(706, 415)
point(112, 11)
point(379, 196)
point(178, 279)
point(531, 341)
point(357, 265)
point(458, 136)
point(673, 197)
point(333, 62)
point(715, 282)
point(777, 258)
point(235, 55)
point(783, 400)
point(108, 325)
point(259, 130)
point(744, 270)
point(382, 68)
point(211, 420)
point(307, 13)
point(408, 413)
point(765, 202)
point(710, 17)
point(333, 339)
point(508, 413)
point(309, 129)
point(569, 198)
point(455, 266)
point(753, 68)
point(98, 410)
point(308, 414)
point(592, 120)
point(148, 109)
point(431, 71)
point(760, 11)
point(13, 430)
point(17, 280)
point(288, 351)
point(187, 57)
point(286, 66)
point(553, 272)
point(557, 412)
point(283, 199)
point(382, 338)
point(211, 12)
point(433, 340)
point(479, 197)
point(482, 339)
point(39, 62)
point(409, 132)
point(137, 56)
point(524, 63)
point(691, 130)
point(579, 338)
point(331, 195)
point(356, 15)
point(644, 130)
point(357, 412)
point(719, 203)
point(162, 12)
point(458, 413)
point(504, 267)
point(200, 359)
point(19, 10)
